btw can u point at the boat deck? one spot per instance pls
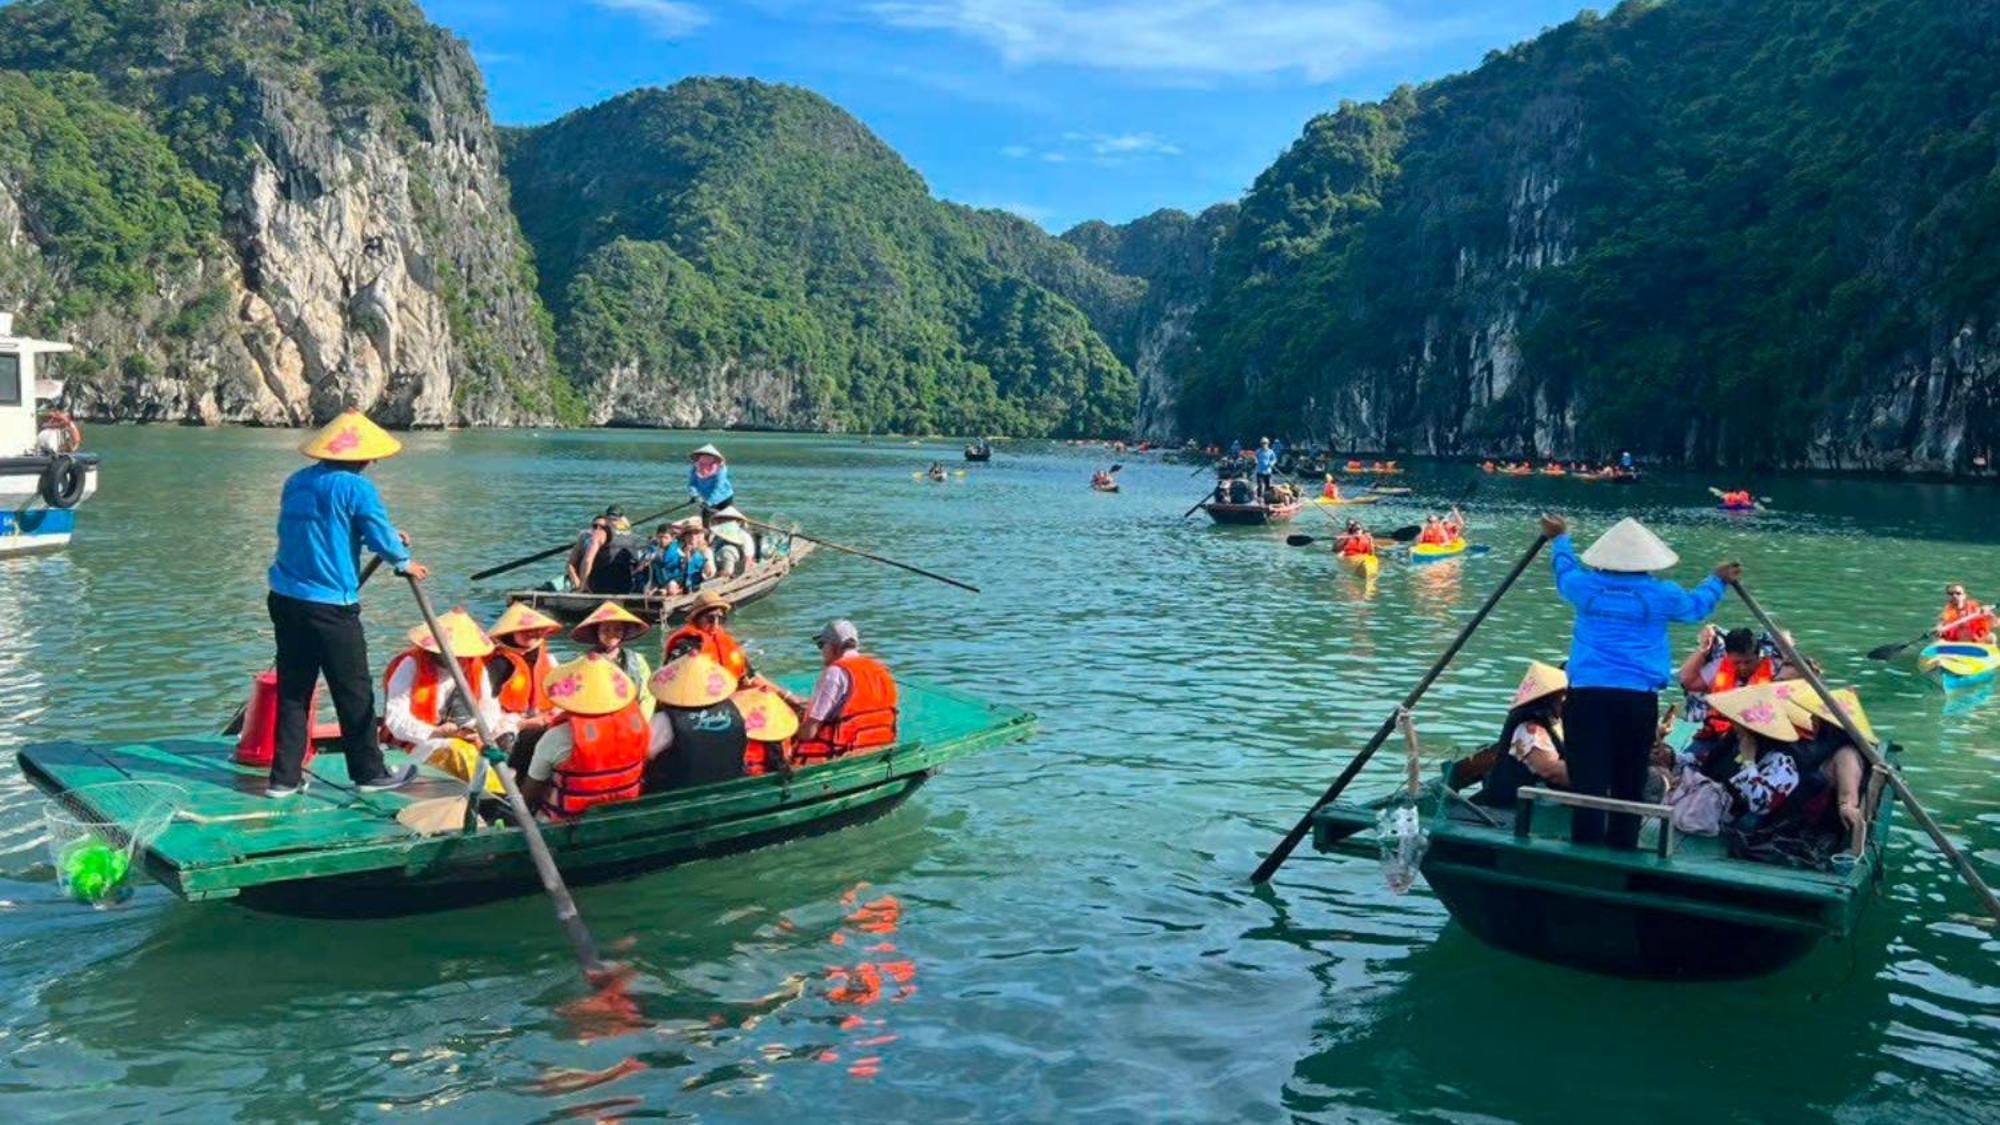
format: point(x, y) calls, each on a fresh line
point(229, 838)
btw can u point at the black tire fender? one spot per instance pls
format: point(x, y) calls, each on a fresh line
point(63, 481)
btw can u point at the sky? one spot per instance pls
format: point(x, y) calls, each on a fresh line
point(1057, 110)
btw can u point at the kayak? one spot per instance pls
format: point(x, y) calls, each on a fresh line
point(1367, 566)
point(1736, 507)
point(1332, 502)
point(1391, 491)
point(1434, 552)
point(1960, 664)
point(1111, 486)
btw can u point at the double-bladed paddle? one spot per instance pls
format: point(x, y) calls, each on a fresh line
point(1891, 652)
point(1406, 534)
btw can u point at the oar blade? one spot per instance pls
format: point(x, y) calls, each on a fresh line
point(1887, 652)
point(1299, 539)
point(434, 817)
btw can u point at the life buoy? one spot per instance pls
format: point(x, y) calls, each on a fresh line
point(63, 481)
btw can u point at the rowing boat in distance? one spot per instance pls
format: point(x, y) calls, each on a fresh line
point(1252, 514)
point(757, 582)
point(335, 852)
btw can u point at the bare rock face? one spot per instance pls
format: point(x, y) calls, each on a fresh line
point(726, 396)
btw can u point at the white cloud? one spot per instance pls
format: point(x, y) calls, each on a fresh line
point(1016, 152)
point(1026, 211)
point(1201, 38)
point(1130, 144)
point(668, 19)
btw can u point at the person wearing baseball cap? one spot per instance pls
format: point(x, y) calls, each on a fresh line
point(853, 705)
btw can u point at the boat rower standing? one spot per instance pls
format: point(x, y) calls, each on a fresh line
point(327, 512)
point(708, 478)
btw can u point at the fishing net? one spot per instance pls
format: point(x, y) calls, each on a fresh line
point(1400, 829)
point(95, 831)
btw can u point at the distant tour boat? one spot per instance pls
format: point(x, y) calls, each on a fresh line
point(42, 476)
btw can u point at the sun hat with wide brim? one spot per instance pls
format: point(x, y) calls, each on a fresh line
point(1630, 548)
point(523, 618)
point(1803, 696)
point(467, 639)
point(610, 613)
point(1542, 680)
point(728, 512)
point(590, 685)
point(351, 437)
point(694, 680)
point(707, 600)
point(1760, 707)
point(766, 718)
point(708, 451)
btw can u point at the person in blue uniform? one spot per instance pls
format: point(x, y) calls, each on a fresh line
point(327, 513)
point(1619, 659)
point(1267, 464)
point(708, 478)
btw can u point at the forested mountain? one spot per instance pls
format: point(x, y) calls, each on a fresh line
point(729, 252)
point(263, 212)
point(1760, 231)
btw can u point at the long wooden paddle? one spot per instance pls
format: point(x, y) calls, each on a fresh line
point(1405, 534)
point(1871, 752)
point(594, 969)
point(235, 723)
point(865, 555)
point(1285, 846)
point(1891, 652)
point(554, 551)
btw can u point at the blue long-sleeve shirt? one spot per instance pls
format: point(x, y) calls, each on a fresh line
point(325, 516)
point(1620, 638)
point(1267, 459)
point(713, 491)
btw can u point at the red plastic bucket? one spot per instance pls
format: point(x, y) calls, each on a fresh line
point(259, 738)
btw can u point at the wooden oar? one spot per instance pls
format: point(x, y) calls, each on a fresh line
point(865, 555)
point(235, 723)
point(1871, 752)
point(1402, 534)
point(554, 551)
point(580, 940)
point(1891, 652)
point(1285, 846)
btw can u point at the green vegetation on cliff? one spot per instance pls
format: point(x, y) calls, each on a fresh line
point(725, 225)
point(1703, 228)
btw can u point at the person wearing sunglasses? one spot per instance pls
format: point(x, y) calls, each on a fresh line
point(1962, 619)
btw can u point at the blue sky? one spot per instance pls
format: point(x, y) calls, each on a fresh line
point(1059, 110)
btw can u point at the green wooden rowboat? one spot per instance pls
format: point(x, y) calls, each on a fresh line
point(1685, 910)
point(336, 852)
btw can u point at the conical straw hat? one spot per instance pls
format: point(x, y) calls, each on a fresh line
point(589, 685)
point(351, 437)
point(1760, 707)
point(521, 618)
point(1541, 680)
point(1801, 695)
point(467, 638)
point(1630, 548)
point(585, 632)
point(766, 718)
point(708, 451)
point(693, 680)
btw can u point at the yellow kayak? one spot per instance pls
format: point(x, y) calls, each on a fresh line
point(1364, 565)
point(1431, 552)
point(1331, 502)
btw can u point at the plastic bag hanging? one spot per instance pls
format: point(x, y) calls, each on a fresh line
point(1399, 827)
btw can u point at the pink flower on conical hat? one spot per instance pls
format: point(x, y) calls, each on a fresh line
point(755, 721)
point(621, 687)
point(345, 440)
point(717, 685)
point(567, 686)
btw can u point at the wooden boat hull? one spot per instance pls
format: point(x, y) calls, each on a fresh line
point(1960, 664)
point(570, 606)
point(978, 458)
point(1695, 915)
point(1252, 514)
point(334, 852)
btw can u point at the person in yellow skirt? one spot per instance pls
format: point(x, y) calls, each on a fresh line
point(327, 512)
point(426, 715)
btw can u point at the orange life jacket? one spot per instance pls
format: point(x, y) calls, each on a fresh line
point(1433, 534)
point(607, 760)
point(1330, 490)
point(522, 693)
point(427, 689)
point(1360, 543)
point(1978, 630)
point(867, 720)
point(1725, 679)
point(718, 646)
point(1736, 499)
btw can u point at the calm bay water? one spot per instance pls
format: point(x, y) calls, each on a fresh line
point(1075, 935)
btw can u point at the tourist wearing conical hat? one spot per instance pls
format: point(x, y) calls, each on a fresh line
point(708, 478)
point(1619, 660)
point(608, 632)
point(1831, 769)
point(424, 712)
point(596, 750)
point(327, 512)
point(1530, 749)
point(735, 547)
point(1766, 753)
point(699, 733)
point(520, 663)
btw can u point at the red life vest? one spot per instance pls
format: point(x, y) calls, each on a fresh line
point(867, 720)
point(607, 760)
point(427, 689)
point(1978, 630)
point(1360, 543)
point(718, 646)
point(522, 693)
point(1725, 679)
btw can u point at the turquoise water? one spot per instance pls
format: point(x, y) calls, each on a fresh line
point(1074, 933)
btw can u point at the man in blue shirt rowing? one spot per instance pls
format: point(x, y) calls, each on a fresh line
point(328, 511)
point(1619, 659)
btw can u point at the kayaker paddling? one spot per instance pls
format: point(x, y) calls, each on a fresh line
point(1962, 619)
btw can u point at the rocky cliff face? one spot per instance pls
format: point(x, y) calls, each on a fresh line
point(366, 253)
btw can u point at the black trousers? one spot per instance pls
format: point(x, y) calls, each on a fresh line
point(1607, 743)
point(316, 640)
